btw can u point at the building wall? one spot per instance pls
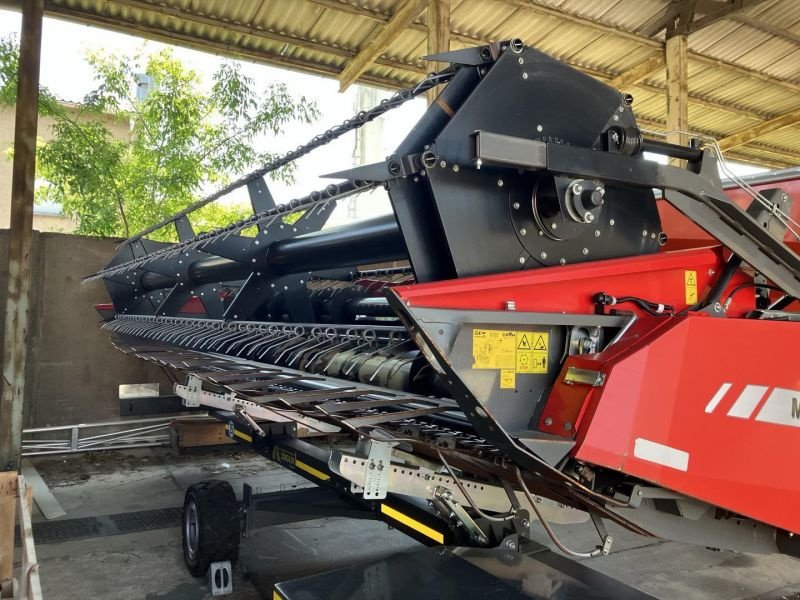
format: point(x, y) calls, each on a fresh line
point(73, 371)
point(42, 221)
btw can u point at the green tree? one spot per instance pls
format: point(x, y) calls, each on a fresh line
point(184, 140)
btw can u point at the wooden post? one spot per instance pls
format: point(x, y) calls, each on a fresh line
point(8, 510)
point(19, 237)
point(438, 36)
point(677, 61)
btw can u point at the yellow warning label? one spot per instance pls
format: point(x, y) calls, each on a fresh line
point(690, 283)
point(508, 379)
point(515, 351)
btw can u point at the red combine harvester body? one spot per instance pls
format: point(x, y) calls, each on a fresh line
point(532, 334)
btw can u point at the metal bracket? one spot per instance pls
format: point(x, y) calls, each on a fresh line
point(454, 510)
point(602, 532)
point(194, 395)
point(376, 470)
point(409, 480)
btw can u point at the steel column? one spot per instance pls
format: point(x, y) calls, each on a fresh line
point(20, 235)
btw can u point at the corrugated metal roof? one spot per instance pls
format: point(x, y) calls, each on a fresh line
point(744, 68)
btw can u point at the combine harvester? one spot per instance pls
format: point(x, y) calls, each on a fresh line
point(549, 327)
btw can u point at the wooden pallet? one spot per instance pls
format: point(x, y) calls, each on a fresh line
point(16, 505)
point(193, 433)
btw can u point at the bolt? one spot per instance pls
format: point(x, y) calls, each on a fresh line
point(548, 421)
point(478, 164)
point(521, 61)
point(611, 222)
point(443, 164)
point(596, 233)
point(539, 128)
point(523, 231)
point(588, 217)
point(616, 117)
point(563, 261)
point(543, 255)
point(585, 251)
point(644, 233)
point(522, 260)
point(653, 236)
point(456, 168)
point(516, 205)
point(711, 272)
point(567, 426)
point(524, 75)
point(541, 232)
point(577, 189)
point(526, 523)
point(499, 183)
point(553, 225)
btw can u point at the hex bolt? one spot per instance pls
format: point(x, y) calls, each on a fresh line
point(596, 233)
point(523, 231)
point(543, 255)
point(524, 75)
point(522, 260)
point(456, 168)
point(443, 164)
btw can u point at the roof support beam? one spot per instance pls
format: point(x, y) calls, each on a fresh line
point(639, 72)
point(380, 41)
point(189, 41)
point(677, 89)
point(20, 236)
point(183, 15)
point(438, 35)
point(756, 131)
point(733, 6)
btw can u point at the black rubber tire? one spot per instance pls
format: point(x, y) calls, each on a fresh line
point(211, 525)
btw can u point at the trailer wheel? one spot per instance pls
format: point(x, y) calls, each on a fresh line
point(211, 525)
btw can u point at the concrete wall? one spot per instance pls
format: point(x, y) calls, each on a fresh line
point(73, 371)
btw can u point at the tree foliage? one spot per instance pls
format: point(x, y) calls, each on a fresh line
point(185, 138)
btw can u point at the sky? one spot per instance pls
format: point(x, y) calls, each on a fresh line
point(65, 73)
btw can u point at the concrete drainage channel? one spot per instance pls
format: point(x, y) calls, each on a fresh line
point(66, 530)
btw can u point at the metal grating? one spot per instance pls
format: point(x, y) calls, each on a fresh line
point(67, 530)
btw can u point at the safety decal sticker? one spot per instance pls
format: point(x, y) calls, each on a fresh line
point(508, 379)
point(690, 284)
point(510, 351)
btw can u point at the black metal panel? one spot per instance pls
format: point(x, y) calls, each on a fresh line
point(260, 197)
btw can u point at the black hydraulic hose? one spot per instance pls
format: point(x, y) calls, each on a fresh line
point(733, 264)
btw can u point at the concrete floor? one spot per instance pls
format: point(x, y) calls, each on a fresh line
point(149, 565)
